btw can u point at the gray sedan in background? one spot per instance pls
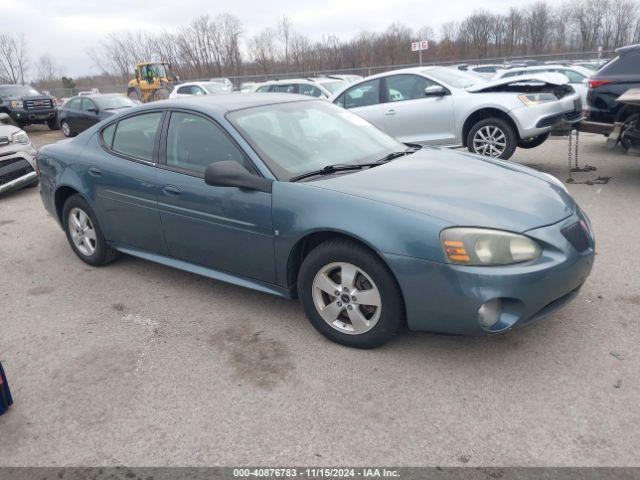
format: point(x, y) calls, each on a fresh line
point(444, 106)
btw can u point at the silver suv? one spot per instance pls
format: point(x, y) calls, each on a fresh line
point(17, 158)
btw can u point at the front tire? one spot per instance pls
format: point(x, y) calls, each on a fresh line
point(533, 142)
point(84, 233)
point(349, 295)
point(492, 137)
point(53, 124)
point(161, 94)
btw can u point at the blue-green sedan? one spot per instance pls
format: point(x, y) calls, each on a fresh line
point(302, 199)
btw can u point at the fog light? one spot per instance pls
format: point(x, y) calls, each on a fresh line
point(489, 313)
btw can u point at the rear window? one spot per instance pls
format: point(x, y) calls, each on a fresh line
point(628, 64)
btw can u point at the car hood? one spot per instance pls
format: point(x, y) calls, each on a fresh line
point(461, 189)
point(534, 78)
point(26, 97)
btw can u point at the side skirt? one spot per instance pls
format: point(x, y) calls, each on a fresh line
point(206, 272)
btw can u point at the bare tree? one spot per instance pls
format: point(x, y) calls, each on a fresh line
point(13, 58)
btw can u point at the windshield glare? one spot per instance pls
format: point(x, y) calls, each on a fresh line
point(113, 101)
point(299, 137)
point(17, 91)
point(454, 78)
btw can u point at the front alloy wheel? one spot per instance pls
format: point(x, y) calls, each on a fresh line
point(490, 141)
point(349, 294)
point(66, 129)
point(347, 298)
point(492, 137)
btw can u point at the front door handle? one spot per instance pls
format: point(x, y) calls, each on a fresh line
point(391, 111)
point(171, 190)
point(95, 171)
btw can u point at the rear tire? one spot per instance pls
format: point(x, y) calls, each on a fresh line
point(84, 233)
point(349, 295)
point(630, 123)
point(135, 95)
point(492, 137)
point(66, 129)
point(161, 94)
point(533, 142)
point(53, 124)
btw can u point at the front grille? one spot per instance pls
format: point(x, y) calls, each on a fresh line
point(576, 236)
point(38, 104)
point(4, 141)
point(549, 121)
point(13, 169)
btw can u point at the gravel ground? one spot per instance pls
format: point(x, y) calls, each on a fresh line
point(143, 365)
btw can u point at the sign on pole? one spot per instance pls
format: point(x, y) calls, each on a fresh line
point(419, 47)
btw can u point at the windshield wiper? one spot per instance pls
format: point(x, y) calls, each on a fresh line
point(330, 169)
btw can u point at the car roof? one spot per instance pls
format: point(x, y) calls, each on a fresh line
point(628, 48)
point(222, 104)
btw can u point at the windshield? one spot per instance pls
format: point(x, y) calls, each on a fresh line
point(159, 70)
point(299, 137)
point(453, 78)
point(108, 102)
point(17, 91)
point(332, 85)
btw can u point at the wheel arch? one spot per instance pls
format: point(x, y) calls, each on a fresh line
point(311, 240)
point(61, 195)
point(483, 113)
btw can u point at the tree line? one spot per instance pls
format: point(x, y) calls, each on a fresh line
point(218, 46)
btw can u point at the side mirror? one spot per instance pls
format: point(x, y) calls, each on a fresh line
point(435, 91)
point(229, 173)
point(92, 110)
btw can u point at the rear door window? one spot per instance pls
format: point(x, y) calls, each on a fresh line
point(290, 88)
point(136, 136)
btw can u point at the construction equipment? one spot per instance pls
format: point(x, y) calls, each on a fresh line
point(153, 81)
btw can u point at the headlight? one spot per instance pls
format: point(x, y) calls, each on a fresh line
point(537, 98)
point(480, 246)
point(20, 137)
point(16, 103)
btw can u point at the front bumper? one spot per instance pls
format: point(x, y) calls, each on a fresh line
point(17, 169)
point(21, 115)
point(445, 298)
point(536, 120)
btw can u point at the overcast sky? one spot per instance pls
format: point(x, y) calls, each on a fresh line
point(66, 28)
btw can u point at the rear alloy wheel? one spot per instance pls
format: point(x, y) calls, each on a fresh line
point(349, 294)
point(66, 129)
point(492, 137)
point(84, 233)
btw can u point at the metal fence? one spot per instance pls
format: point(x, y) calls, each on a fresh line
point(363, 71)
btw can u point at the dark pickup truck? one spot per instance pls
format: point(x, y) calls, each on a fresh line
point(26, 106)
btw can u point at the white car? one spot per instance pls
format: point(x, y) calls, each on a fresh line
point(444, 106)
point(321, 87)
point(197, 88)
point(225, 84)
point(577, 76)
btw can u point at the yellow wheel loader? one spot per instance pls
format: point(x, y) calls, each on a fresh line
point(154, 81)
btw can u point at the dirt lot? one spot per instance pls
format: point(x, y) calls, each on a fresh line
point(142, 365)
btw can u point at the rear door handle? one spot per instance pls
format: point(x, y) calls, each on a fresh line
point(95, 171)
point(391, 111)
point(171, 190)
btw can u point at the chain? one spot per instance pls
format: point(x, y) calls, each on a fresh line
point(574, 166)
